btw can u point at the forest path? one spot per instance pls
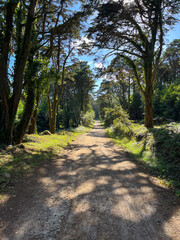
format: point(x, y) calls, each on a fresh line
point(92, 191)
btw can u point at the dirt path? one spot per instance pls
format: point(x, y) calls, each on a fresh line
point(93, 191)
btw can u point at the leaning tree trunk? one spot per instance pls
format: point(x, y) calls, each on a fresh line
point(22, 126)
point(10, 104)
point(33, 123)
point(6, 120)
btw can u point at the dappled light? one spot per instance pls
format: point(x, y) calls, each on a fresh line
point(91, 191)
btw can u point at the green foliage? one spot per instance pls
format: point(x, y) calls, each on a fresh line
point(42, 119)
point(95, 107)
point(170, 68)
point(31, 37)
point(136, 106)
point(167, 102)
point(122, 126)
point(117, 114)
point(88, 119)
point(76, 96)
point(167, 95)
point(106, 98)
point(157, 149)
point(170, 100)
point(19, 111)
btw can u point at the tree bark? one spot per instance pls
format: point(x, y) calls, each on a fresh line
point(22, 57)
point(129, 94)
point(148, 111)
point(22, 127)
point(10, 104)
point(6, 122)
point(148, 94)
point(50, 112)
point(33, 123)
point(53, 120)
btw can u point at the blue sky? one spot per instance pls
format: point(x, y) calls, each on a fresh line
point(174, 33)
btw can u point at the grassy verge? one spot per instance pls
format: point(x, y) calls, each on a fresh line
point(158, 149)
point(19, 159)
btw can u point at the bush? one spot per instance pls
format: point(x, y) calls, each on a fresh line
point(88, 118)
point(115, 113)
point(119, 121)
point(122, 127)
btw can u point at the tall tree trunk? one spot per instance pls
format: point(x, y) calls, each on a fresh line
point(22, 127)
point(49, 111)
point(129, 94)
point(33, 123)
point(148, 95)
point(53, 110)
point(22, 57)
point(6, 121)
point(52, 115)
point(148, 112)
point(54, 118)
point(123, 96)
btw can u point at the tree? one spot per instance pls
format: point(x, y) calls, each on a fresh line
point(76, 96)
point(119, 71)
point(41, 84)
point(134, 30)
point(166, 99)
point(84, 84)
point(169, 69)
point(107, 96)
point(56, 89)
point(10, 92)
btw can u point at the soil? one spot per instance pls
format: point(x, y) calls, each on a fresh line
point(93, 190)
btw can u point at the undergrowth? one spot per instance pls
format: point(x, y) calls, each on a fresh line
point(158, 149)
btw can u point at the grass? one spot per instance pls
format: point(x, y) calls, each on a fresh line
point(19, 159)
point(157, 149)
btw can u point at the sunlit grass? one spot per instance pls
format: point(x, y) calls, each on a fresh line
point(157, 149)
point(16, 160)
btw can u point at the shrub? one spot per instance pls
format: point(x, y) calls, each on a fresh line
point(119, 121)
point(88, 118)
point(122, 127)
point(115, 113)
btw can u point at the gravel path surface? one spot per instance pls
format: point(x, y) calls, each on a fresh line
point(93, 191)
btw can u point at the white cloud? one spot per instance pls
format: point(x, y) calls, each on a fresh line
point(91, 63)
point(99, 65)
point(84, 39)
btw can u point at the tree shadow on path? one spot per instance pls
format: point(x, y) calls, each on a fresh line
point(93, 191)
